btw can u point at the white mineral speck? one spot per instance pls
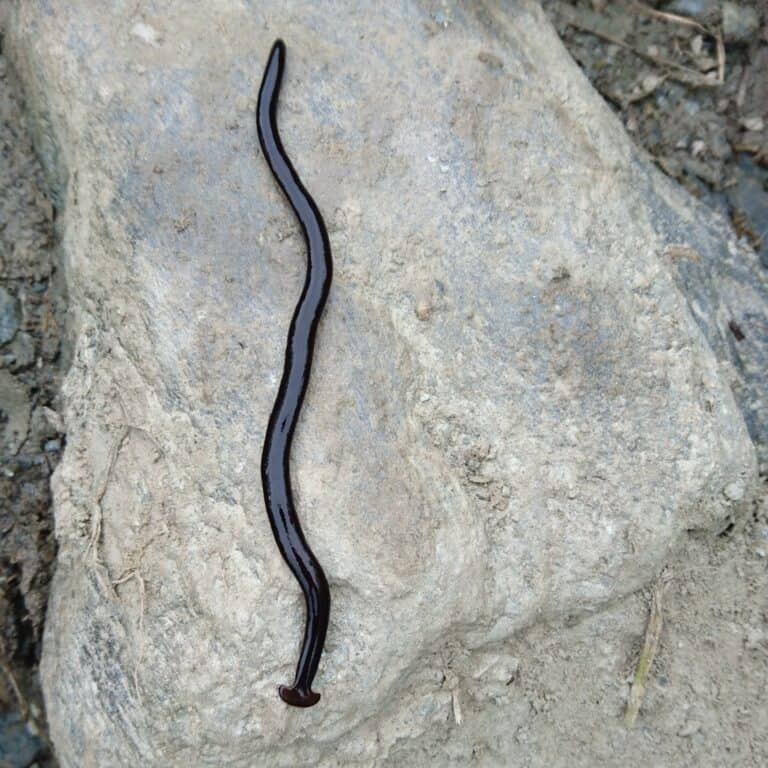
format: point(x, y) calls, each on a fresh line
point(146, 33)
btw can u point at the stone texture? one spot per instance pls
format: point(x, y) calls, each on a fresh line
point(749, 198)
point(727, 292)
point(514, 414)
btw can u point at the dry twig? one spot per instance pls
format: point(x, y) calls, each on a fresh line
point(666, 16)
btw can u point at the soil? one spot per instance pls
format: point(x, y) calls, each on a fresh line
point(701, 110)
point(32, 303)
point(704, 704)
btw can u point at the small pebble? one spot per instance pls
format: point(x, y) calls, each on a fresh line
point(697, 44)
point(18, 747)
point(145, 32)
point(423, 309)
point(10, 316)
point(753, 123)
point(740, 22)
point(22, 351)
point(53, 419)
point(734, 491)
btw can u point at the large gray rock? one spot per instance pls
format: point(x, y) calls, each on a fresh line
point(514, 415)
point(726, 288)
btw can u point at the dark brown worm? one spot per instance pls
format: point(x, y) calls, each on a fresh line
point(275, 457)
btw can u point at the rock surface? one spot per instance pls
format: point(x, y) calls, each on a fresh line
point(514, 414)
point(723, 282)
point(727, 291)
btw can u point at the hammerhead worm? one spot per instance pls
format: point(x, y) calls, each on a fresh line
point(275, 457)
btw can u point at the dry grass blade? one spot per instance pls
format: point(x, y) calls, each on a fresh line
point(720, 57)
point(648, 654)
point(673, 17)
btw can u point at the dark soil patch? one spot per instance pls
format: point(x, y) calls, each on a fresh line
point(31, 440)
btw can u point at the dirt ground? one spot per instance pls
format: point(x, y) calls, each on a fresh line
point(704, 704)
point(31, 307)
point(692, 91)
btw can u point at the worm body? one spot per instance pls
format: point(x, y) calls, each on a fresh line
point(275, 458)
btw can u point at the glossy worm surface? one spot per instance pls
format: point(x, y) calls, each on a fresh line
point(275, 458)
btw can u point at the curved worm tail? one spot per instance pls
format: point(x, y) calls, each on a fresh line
point(275, 471)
